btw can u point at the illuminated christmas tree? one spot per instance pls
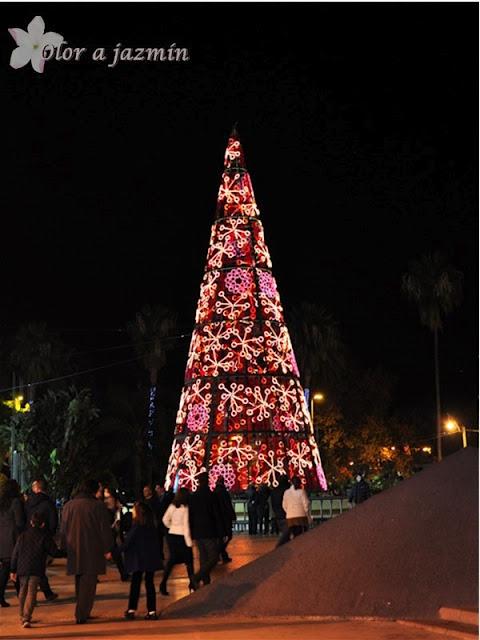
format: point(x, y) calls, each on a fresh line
point(242, 411)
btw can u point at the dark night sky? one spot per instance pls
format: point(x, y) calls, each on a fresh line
point(359, 124)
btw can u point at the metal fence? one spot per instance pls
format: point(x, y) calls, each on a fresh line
point(321, 509)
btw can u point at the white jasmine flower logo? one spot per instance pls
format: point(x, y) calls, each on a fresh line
point(31, 45)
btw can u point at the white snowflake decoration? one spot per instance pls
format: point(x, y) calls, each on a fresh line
point(274, 467)
point(261, 250)
point(286, 393)
point(234, 307)
point(259, 407)
point(247, 346)
point(232, 398)
point(193, 448)
point(236, 451)
point(207, 292)
point(172, 464)
point(199, 392)
point(300, 457)
point(271, 307)
point(188, 475)
point(278, 347)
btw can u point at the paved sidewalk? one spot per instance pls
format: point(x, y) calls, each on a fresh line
point(55, 620)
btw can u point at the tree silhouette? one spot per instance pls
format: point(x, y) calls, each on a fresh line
point(436, 287)
point(38, 354)
point(150, 332)
point(319, 349)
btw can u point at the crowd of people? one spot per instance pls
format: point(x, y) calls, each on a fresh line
point(283, 510)
point(96, 527)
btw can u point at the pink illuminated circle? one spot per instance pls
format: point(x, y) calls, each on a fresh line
point(267, 283)
point(224, 470)
point(238, 281)
point(197, 418)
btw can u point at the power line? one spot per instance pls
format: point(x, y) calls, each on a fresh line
point(72, 375)
point(93, 369)
point(132, 345)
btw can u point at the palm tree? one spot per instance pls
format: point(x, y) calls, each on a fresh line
point(318, 347)
point(124, 423)
point(150, 332)
point(436, 287)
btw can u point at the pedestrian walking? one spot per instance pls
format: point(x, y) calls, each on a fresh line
point(179, 539)
point(28, 563)
point(205, 527)
point(263, 509)
point(296, 506)
point(142, 559)
point(360, 491)
point(87, 538)
point(12, 522)
point(228, 517)
point(252, 510)
point(165, 499)
point(114, 508)
point(40, 502)
point(158, 507)
point(276, 500)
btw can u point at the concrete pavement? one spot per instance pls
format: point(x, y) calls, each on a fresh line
point(55, 620)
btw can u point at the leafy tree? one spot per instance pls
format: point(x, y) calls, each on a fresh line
point(359, 433)
point(121, 436)
point(5, 432)
point(57, 438)
point(436, 287)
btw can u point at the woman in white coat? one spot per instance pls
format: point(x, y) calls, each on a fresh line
point(296, 506)
point(179, 540)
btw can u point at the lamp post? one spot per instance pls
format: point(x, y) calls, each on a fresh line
point(452, 426)
point(316, 397)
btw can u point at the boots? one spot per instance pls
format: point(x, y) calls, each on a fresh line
point(163, 588)
point(193, 584)
point(163, 584)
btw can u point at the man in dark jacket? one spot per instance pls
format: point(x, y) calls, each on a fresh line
point(205, 527)
point(228, 516)
point(12, 522)
point(39, 502)
point(28, 562)
point(87, 538)
point(252, 509)
point(263, 509)
point(360, 491)
point(276, 500)
point(155, 502)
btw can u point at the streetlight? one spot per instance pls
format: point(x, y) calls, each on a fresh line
point(316, 397)
point(452, 426)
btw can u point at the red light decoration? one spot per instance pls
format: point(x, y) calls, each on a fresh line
point(242, 412)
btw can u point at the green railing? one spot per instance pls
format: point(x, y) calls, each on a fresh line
point(321, 509)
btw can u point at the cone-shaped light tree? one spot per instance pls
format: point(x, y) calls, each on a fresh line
point(242, 411)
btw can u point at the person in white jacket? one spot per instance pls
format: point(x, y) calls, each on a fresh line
point(297, 511)
point(179, 540)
